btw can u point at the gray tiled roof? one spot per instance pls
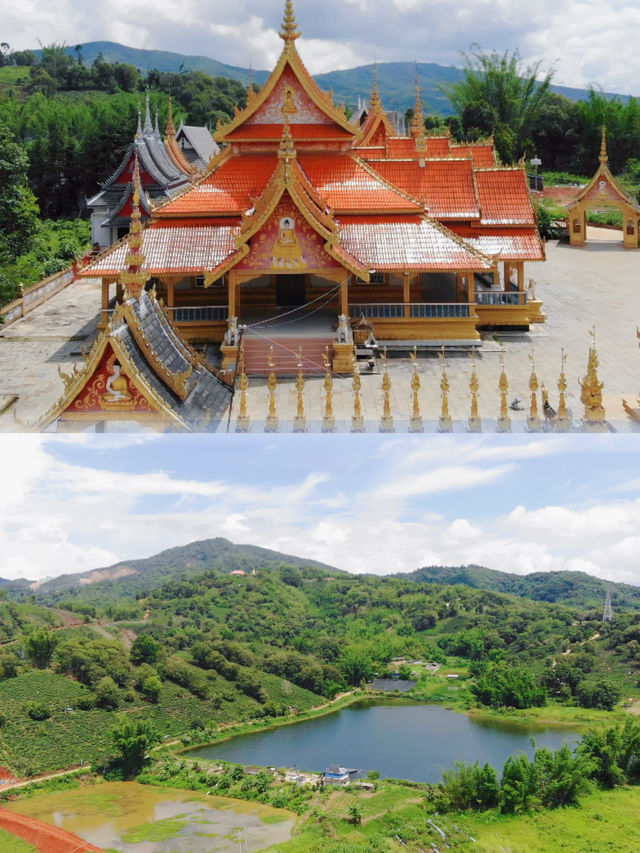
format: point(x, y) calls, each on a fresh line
point(206, 396)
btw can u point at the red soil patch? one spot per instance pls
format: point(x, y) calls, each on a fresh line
point(43, 836)
point(6, 775)
point(562, 195)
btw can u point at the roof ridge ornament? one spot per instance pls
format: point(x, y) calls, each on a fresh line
point(287, 150)
point(289, 31)
point(604, 157)
point(148, 127)
point(375, 102)
point(171, 128)
point(417, 122)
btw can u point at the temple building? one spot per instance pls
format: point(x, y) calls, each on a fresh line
point(168, 165)
point(306, 214)
point(603, 192)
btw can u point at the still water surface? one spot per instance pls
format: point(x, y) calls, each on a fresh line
point(413, 742)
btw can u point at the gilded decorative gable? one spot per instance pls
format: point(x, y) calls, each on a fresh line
point(286, 243)
point(290, 99)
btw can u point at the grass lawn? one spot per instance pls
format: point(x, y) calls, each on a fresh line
point(12, 844)
point(606, 821)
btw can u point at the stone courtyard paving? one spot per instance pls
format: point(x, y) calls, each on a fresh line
point(597, 285)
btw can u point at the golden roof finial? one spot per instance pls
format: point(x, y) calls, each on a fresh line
point(417, 123)
point(289, 31)
point(133, 278)
point(250, 92)
point(604, 157)
point(376, 104)
point(171, 128)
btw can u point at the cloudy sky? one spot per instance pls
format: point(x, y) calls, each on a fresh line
point(361, 503)
point(588, 41)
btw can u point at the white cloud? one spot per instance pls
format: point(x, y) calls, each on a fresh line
point(395, 511)
point(588, 40)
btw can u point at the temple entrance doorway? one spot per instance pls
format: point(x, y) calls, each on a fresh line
point(290, 291)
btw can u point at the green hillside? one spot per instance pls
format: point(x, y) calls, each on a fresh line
point(576, 589)
point(194, 646)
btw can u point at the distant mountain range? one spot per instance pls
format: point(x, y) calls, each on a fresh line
point(572, 588)
point(396, 80)
point(130, 577)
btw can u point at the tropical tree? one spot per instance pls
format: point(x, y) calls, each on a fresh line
point(500, 96)
point(132, 739)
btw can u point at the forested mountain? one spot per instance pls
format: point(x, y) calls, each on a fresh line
point(576, 589)
point(129, 577)
point(396, 80)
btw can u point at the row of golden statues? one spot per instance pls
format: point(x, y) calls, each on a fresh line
point(541, 416)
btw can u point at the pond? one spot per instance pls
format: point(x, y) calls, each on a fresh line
point(402, 741)
point(135, 818)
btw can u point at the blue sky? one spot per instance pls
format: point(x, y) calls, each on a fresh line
point(362, 503)
point(588, 41)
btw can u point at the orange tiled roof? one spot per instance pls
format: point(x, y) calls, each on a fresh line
point(349, 186)
point(504, 197)
point(438, 146)
point(299, 132)
point(521, 244)
point(399, 147)
point(446, 186)
point(484, 155)
point(181, 249)
point(229, 189)
point(386, 243)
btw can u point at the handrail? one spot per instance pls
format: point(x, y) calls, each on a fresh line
point(199, 313)
point(414, 310)
point(501, 297)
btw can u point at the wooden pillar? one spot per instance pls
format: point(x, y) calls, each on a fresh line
point(521, 285)
point(170, 293)
point(471, 286)
point(506, 271)
point(104, 312)
point(344, 296)
point(119, 292)
point(231, 295)
point(406, 293)
point(462, 287)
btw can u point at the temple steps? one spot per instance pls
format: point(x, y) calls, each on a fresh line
point(285, 354)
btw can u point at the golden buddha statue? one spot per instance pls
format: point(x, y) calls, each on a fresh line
point(286, 252)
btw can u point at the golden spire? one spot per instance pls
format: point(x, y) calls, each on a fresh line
point(604, 157)
point(376, 104)
point(445, 423)
point(386, 422)
point(475, 423)
point(328, 419)
point(243, 421)
point(287, 150)
point(289, 31)
point(417, 123)
point(300, 421)
point(533, 420)
point(271, 424)
point(415, 421)
point(504, 421)
point(133, 278)
point(171, 128)
point(357, 421)
point(591, 393)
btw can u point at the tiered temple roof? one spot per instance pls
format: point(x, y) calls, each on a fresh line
point(395, 203)
point(164, 171)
